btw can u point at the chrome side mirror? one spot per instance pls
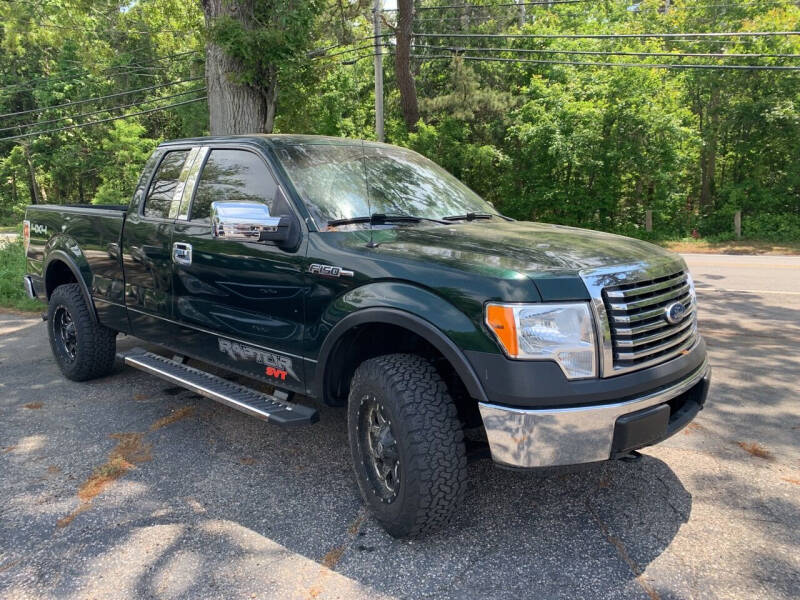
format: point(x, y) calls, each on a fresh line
point(242, 221)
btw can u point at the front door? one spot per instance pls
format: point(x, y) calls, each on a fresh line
point(147, 246)
point(239, 304)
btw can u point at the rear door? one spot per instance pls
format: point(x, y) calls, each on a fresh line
point(147, 245)
point(239, 303)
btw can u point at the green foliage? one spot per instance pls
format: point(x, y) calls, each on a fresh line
point(127, 151)
point(275, 46)
point(12, 268)
point(65, 50)
point(580, 145)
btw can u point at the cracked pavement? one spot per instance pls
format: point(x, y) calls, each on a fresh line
point(127, 488)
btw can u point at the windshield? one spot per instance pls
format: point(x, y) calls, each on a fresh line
point(343, 182)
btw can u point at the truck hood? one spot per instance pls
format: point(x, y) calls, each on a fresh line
point(510, 249)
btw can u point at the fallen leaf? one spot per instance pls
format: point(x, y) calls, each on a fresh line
point(129, 451)
point(756, 449)
point(175, 415)
point(34, 405)
point(332, 557)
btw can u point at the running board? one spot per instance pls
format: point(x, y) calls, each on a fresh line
point(262, 406)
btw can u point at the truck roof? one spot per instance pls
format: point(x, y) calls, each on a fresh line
point(273, 140)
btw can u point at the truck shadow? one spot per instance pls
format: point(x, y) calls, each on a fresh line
point(231, 507)
point(263, 490)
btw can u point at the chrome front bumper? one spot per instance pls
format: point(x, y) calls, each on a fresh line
point(567, 436)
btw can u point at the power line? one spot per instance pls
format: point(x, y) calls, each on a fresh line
point(129, 115)
point(608, 52)
point(607, 36)
point(614, 64)
point(480, 6)
point(594, 63)
point(119, 29)
point(356, 49)
point(102, 110)
point(69, 77)
point(85, 100)
point(67, 81)
point(555, 2)
point(321, 51)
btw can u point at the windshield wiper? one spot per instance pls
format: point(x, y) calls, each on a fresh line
point(468, 217)
point(380, 219)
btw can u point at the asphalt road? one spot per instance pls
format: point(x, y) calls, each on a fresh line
point(125, 488)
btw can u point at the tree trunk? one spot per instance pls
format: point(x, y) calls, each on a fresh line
point(405, 79)
point(708, 156)
point(234, 108)
point(33, 185)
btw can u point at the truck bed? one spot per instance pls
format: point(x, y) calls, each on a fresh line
point(85, 237)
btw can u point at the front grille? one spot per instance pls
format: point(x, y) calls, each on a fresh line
point(640, 332)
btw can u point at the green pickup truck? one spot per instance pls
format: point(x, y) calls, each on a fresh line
point(362, 275)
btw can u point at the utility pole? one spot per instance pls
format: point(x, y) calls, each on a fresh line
point(376, 23)
point(521, 16)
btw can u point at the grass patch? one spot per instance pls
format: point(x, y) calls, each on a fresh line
point(9, 228)
point(12, 268)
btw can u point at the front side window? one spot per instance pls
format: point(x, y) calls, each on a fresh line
point(233, 176)
point(165, 186)
point(346, 181)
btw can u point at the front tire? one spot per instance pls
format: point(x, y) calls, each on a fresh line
point(407, 444)
point(83, 348)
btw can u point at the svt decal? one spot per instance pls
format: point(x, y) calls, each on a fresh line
point(277, 373)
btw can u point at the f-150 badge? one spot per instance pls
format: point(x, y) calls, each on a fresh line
point(329, 271)
point(277, 365)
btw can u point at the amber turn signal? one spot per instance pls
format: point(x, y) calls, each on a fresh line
point(501, 320)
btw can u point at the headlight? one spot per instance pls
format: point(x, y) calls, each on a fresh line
point(560, 332)
point(692, 292)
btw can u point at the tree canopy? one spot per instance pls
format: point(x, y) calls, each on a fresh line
point(590, 131)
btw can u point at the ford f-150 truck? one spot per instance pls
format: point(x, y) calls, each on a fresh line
point(363, 275)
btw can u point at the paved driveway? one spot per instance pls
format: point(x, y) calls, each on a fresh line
point(126, 488)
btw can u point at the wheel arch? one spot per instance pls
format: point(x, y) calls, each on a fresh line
point(60, 268)
point(375, 317)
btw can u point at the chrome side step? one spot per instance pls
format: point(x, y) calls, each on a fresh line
point(262, 406)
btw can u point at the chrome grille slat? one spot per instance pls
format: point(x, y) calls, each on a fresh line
point(649, 314)
point(654, 349)
point(676, 293)
point(647, 289)
point(649, 326)
point(649, 339)
point(640, 334)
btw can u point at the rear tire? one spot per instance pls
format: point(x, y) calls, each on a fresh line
point(407, 444)
point(83, 348)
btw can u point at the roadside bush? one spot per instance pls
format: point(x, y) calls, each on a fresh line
point(12, 268)
point(771, 227)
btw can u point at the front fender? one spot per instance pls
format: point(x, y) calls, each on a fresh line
point(443, 325)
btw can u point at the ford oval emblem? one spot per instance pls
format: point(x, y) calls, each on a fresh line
point(674, 313)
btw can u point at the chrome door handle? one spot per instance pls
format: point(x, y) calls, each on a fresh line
point(182, 253)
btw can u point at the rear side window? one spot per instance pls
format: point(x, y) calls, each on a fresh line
point(233, 176)
point(166, 186)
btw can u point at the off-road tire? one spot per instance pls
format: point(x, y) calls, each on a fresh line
point(95, 345)
point(430, 443)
